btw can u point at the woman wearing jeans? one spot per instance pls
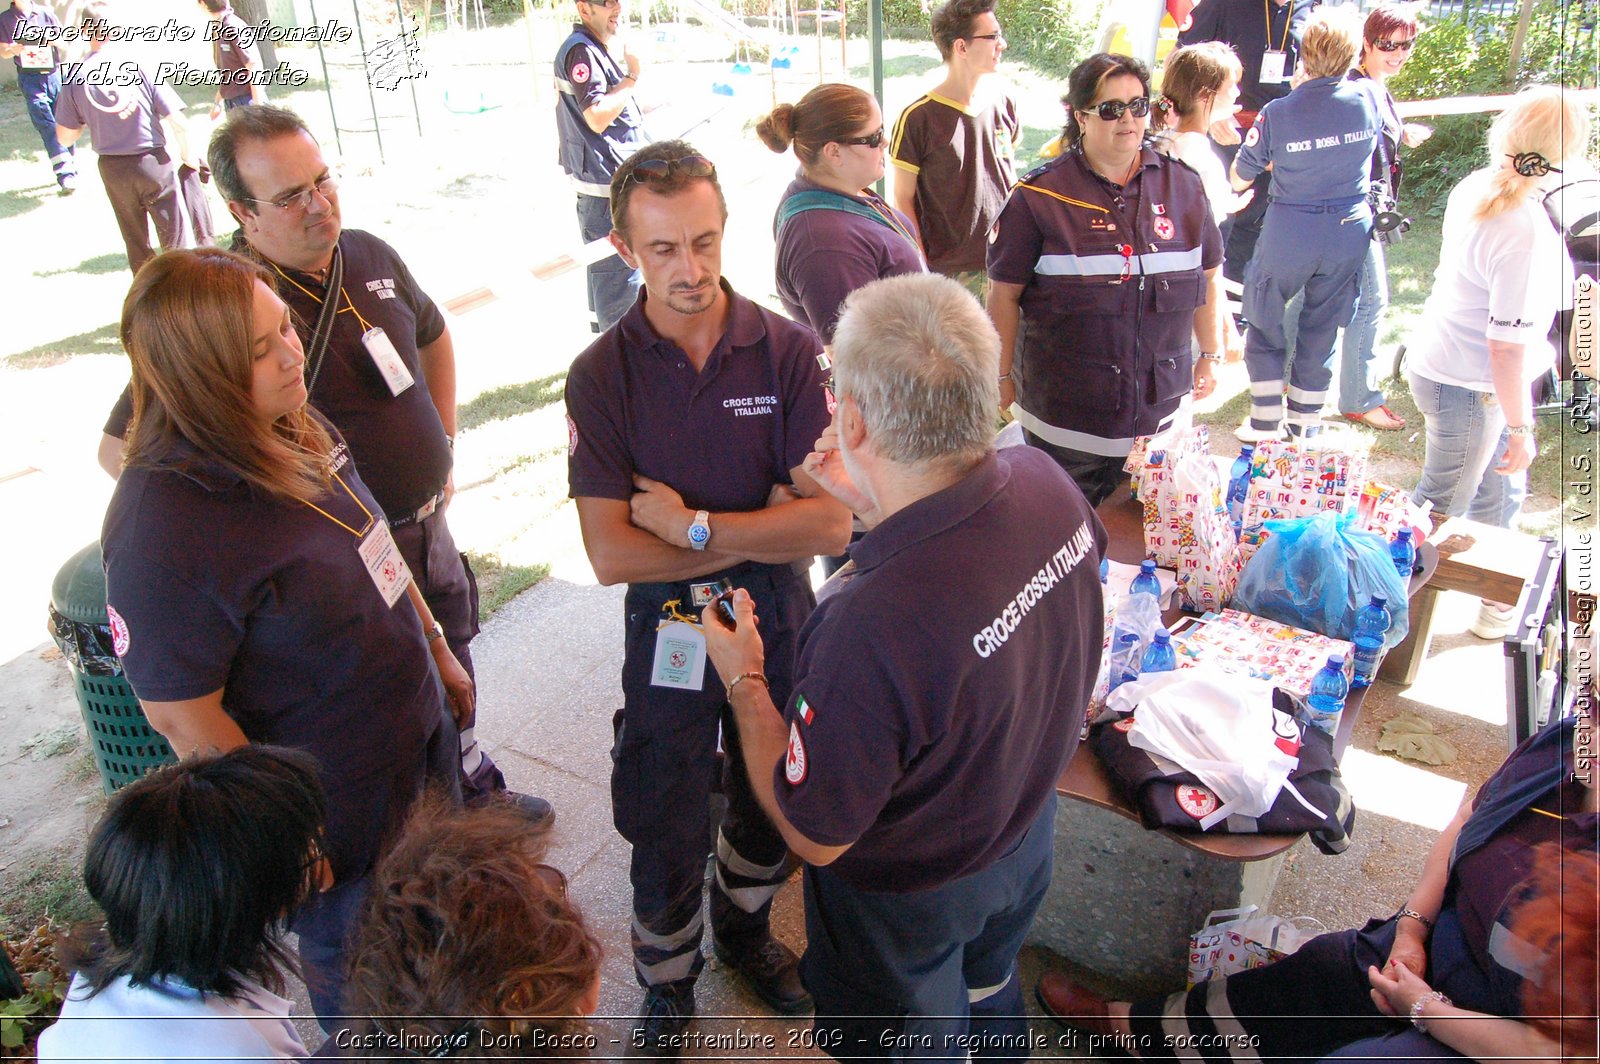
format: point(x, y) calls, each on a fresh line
point(1485, 336)
point(1387, 40)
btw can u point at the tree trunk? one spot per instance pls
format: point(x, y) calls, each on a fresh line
point(255, 13)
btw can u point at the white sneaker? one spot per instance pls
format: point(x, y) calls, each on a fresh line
point(1492, 622)
point(1248, 433)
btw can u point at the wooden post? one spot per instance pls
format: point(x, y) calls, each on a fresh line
point(1524, 16)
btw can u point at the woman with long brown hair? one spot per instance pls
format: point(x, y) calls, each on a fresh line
point(253, 588)
point(834, 234)
point(470, 941)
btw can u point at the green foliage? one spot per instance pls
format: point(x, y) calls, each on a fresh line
point(1468, 54)
point(35, 959)
point(1050, 35)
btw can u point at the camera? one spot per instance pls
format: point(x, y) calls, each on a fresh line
point(1388, 224)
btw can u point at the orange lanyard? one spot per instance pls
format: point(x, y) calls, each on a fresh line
point(351, 307)
point(887, 214)
point(1266, 10)
point(358, 533)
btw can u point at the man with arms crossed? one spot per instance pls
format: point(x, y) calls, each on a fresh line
point(939, 693)
point(688, 423)
point(954, 148)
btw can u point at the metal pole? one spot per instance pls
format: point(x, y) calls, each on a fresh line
point(875, 35)
point(366, 72)
point(327, 81)
point(411, 80)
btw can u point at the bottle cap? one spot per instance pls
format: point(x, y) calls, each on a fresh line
point(1127, 637)
point(1336, 660)
point(1162, 635)
point(1379, 600)
point(1147, 566)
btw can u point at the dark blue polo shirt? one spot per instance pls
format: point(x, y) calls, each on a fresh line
point(1247, 27)
point(39, 18)
point(1104, 348)
point(824, 255)
point(398, 439)
point(941, 691)
point(721, 437)
point(1319, 140)
point(585, 72)
point(218, 585)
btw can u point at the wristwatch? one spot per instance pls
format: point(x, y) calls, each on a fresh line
point(1519, 431)
point(700, 530)
point(434, 631)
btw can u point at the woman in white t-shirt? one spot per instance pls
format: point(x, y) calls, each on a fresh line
point(1200, 86)
point(196, 867)
point(1484, 339)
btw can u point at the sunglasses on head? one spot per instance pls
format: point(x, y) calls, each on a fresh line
point(1111, 110)
point(649, 170)
point(1394, 46)
point(871, 140)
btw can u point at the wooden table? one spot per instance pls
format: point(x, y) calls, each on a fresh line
point(1113, 875)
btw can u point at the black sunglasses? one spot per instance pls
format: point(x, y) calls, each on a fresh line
point(1111, 110)
point(1384, 45)
point(871, 140)
point(648, 170)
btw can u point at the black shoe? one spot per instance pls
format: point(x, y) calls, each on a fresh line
point(540, 813)
point(662, 1022)
point(771, 969)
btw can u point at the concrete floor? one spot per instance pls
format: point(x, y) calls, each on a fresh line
point(549, 665)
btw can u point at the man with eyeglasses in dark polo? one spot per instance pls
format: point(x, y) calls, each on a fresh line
point(599, 125)
point(688, 425)
point(381, 367)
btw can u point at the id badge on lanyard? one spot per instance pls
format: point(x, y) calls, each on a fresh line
point(680, 659)
point(1273, 67)
point(387, 359)
point(385, 565)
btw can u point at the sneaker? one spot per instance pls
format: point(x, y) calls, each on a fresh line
point(771, 969)
point(68, 184)
point(1493, 622)
point(662, 1022)
point(1248, 433)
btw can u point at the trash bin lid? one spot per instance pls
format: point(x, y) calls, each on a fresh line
point(79, 593)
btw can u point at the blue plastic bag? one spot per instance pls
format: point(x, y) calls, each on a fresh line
point(1318, 573)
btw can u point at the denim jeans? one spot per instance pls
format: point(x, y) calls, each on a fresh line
point(1357, 390)
point(1466, 437)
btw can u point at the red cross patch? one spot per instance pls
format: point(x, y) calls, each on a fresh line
point(794, 763)
point(1164, 228)
point(119, 631)
point(580, 73)
point(1252, 137)
point(1196, 800)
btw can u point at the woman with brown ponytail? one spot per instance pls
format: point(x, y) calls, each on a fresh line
point(834, 234)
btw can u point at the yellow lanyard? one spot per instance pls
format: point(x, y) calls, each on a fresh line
point(365, 325)
point(887, 214)
point(1266, 10)
point(354, 532)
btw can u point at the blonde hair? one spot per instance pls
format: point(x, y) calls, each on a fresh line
point(1331, 41)
point(1539, 119)
point(187, 326)
point(1194, 75)
point(828, 113)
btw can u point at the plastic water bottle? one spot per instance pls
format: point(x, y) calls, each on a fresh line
point(1146, 582)
point(1159, 655)
point(1328, 691)
point(1239, 487)
point(1404, 553)
point(1124, 658)
point(1372, 624)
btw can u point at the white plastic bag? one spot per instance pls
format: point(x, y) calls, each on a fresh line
point(1221, 727)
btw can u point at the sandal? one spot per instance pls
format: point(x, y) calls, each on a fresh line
point(1379, 417)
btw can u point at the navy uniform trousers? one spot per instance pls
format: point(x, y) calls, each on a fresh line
point(929, 974)
point(665, 767)
point(1321, 249)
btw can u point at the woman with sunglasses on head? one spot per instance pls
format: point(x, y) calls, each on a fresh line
point(254, 590)
point(1318, 143)
point(1504, 274)
point(1103, 266)
point(1199, 88)
point(1387, 40)
point(195, 867)
point(834, 234)
point(470, 944)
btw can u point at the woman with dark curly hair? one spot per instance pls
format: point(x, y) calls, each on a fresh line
point(470, 944)
point(196, 867)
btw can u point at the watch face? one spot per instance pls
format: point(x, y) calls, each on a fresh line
point(699, 533)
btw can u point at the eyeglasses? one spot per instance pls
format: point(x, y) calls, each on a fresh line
point(602, 3)
point(1384, 45)
point(998, 38)
point(649, 170)
point(1111, 110)
point(871, 140)
point(301, 201)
